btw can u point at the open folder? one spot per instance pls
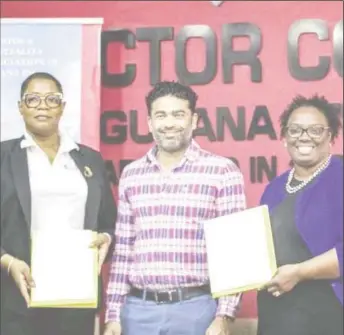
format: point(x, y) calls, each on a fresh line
point(240, 251)
point(65, 269)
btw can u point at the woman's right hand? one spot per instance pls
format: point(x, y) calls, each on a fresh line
point(21, 275)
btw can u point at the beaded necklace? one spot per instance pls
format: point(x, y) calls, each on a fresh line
point(293, 189)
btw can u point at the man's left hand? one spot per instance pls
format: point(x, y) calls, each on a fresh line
point(102, 242)
point(220, 326)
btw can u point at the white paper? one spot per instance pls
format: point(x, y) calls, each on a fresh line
point(237, 249)
point(63, 266)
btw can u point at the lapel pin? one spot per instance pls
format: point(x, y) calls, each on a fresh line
point(88, 172)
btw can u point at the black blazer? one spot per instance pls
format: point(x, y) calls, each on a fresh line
point(100, 214)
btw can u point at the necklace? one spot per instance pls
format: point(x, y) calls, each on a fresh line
point(293, 189)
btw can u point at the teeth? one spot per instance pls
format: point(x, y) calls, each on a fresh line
point(305, 150)
point(42, 117)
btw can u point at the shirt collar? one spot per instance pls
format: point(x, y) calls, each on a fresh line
point(191, 153)
point(67, 143)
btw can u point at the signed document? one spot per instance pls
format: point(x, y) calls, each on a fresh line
point(240, 251)
point(64, 268)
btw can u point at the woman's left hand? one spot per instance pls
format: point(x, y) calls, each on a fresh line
point(285, 279)
point(102, 242)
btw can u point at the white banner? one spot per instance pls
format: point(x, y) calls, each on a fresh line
point(56, 46)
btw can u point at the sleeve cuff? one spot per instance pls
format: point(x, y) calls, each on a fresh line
point(226, 312)
point(228, 306)
point(112, 315)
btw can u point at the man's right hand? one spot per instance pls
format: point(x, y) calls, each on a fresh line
point(113, 328)
point(21, 275)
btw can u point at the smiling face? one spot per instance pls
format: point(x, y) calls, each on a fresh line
point(41, 107)
point(171, 123)
point(308, 136)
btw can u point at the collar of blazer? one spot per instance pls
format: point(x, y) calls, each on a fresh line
point(87, 165)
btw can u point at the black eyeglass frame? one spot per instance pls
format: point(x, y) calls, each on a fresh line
point(305, 130)
point(45, 98)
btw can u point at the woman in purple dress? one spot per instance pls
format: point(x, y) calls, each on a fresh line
point(305, 297)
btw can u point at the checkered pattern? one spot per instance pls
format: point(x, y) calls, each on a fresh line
point(160, 242)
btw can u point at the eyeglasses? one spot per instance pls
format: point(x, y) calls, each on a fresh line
point(315, 131)
point(52, 100)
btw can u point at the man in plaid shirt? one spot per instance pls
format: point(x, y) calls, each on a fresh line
point(159, 281)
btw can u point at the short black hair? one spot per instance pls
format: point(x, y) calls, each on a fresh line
point(329, 110)
point(39, 75)
point(175, 89)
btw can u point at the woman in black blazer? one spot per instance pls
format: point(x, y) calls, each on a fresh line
point(33, 168)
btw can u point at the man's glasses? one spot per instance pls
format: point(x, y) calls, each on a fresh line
point(52, 100)
point(315, 131)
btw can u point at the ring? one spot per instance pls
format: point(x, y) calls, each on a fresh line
point(277, 293)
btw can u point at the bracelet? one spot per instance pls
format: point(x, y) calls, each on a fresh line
point(10, 265)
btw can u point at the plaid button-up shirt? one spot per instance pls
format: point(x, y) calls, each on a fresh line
point(159, 238)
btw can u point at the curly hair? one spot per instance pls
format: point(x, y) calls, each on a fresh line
point(172, 88)
point(329, 110)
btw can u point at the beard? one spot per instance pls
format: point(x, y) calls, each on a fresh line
point(175, 142)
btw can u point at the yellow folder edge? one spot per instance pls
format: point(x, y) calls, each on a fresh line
point(70, 303)
point(272, 260)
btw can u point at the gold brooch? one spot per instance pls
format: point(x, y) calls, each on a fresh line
point(88, 172)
